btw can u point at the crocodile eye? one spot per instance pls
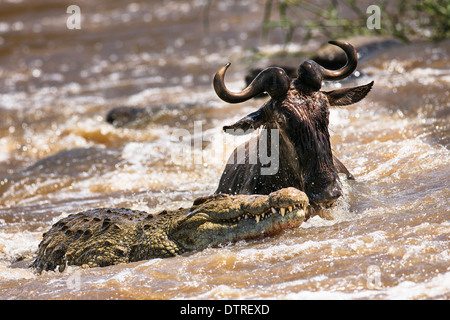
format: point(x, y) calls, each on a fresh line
point(222, 195)
point(200, 200)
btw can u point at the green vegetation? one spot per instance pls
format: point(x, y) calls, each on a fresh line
point(402, 19)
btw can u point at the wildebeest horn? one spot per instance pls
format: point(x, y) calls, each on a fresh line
point(272, 80)
point(350, 66)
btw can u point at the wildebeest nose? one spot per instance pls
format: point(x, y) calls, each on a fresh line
point(332, 197)
point(327, 197)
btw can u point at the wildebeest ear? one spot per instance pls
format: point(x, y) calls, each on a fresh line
point(247, 124)
point(343, 97)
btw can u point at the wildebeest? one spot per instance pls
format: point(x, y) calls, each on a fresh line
point(298, 112)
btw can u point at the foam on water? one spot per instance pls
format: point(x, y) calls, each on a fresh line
point(406, 290)
point(4, 149)
point(16, 244)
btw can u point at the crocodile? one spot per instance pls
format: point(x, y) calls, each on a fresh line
point(108, 236)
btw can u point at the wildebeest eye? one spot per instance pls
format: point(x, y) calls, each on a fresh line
point(281, 119)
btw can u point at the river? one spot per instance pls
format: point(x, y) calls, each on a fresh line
point(388, 237)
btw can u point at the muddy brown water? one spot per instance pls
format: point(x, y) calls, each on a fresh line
point(387, 238)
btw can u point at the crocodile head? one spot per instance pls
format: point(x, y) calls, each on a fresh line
point(106, 236)
point(223, 218)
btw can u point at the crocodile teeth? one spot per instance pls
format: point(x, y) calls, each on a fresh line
point(257, 219)
point(274, 210)
point(290, 208)
point(282, 211)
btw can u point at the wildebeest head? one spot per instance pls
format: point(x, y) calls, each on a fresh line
point(301, 114)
